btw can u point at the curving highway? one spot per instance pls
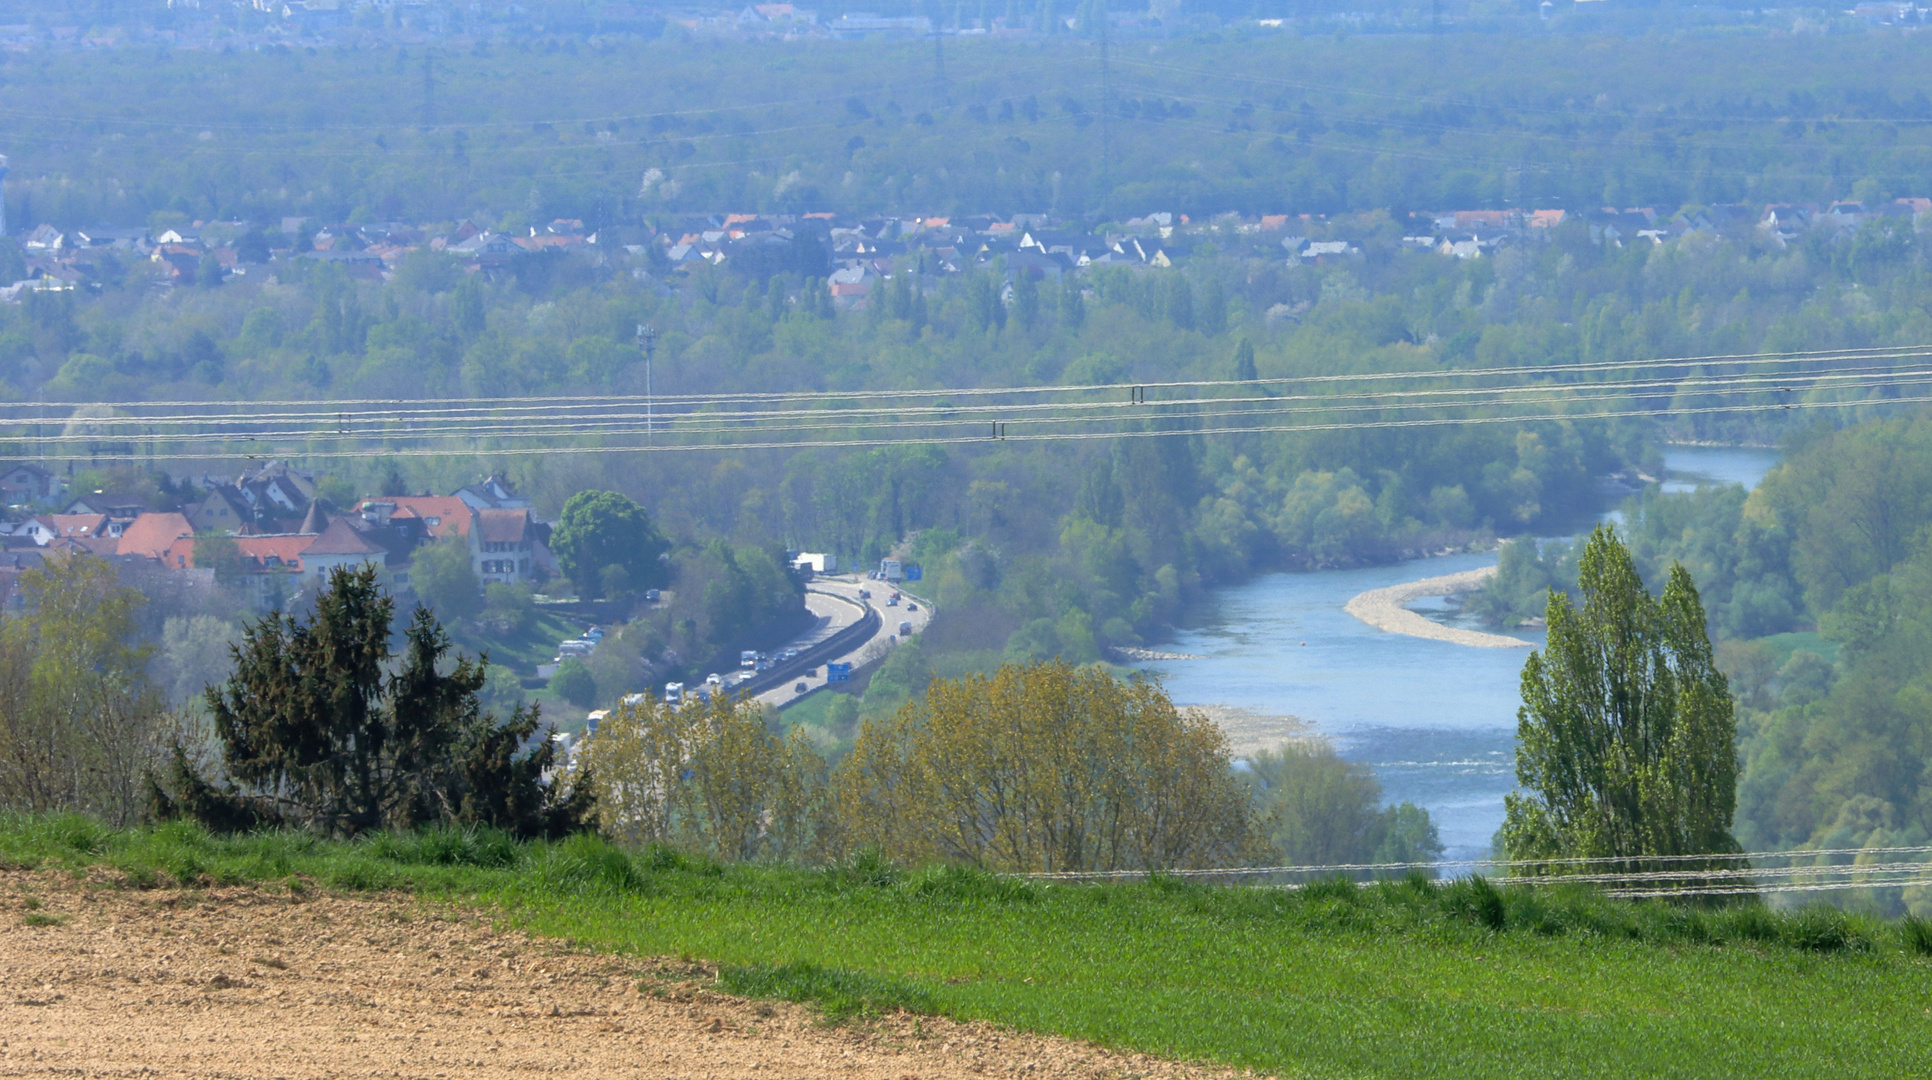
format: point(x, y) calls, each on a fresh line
point(837, 602)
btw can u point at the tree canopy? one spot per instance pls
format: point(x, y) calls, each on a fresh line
point(1626, 738)
point(599, 530)
point(319, 729)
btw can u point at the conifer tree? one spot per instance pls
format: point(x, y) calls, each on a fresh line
point(316, 731)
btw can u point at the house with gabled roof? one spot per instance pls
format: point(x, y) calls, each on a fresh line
point(506, 547)
point(29, 483)
point(439, 515)
point(152, 534)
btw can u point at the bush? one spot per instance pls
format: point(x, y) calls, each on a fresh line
point(1045, 767)
point(574, 683)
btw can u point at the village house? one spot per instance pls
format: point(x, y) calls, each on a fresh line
point(505, 546)
point(29, 483)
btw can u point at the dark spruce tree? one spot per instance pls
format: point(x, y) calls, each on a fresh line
point(318, 732)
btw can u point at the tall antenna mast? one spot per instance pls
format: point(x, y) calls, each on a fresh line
point(1106, 93)
point(429, 90)
point(939, 54)
point(647, 336)
point(3, 194)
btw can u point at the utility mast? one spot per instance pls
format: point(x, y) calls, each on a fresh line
point(939, 53)
point(429, 90)
point(3, 194)
point(647, 337)
point(1106, 93)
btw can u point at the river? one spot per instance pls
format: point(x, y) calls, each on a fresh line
point(1434, 720)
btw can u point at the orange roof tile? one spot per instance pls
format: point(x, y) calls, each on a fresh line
point(77, 524)
point(444, 515)
point(259, 549)
point(153, 534)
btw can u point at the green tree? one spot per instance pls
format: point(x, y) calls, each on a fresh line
point(1244, 369)
point(603, 528)
point(574, 683)
point(1317, 809)
point(80, 724)
point(208, 272)
point(445, 578)
point(1626, 738)
point(1045, 767)
point(220, 553)
point(318, 728)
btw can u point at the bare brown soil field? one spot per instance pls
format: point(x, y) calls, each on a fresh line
point(103, 981)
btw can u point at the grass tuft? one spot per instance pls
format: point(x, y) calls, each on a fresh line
point(839, 995)
point(589, 865)
point(969, 884)
point(1916, 935)
point(1477, 901)
point(867, 869)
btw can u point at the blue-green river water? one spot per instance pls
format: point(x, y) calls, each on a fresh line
point(1436, 721)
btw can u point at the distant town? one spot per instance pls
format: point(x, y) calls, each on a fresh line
point(855, 254)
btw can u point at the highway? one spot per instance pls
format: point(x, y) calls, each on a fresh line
point(837, 598)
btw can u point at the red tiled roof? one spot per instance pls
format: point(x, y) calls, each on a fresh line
point(502, 526)
point(77, 524)
point(340, 539)
point(153, 534)
point(451, 513)
point(259, 549)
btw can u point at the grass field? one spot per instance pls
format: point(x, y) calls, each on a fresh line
point(1406, 979)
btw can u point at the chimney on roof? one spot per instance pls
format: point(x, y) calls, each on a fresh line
point(314, 521)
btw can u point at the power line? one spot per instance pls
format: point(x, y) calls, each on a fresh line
point(1715, 874)
point(868, 443)
point(338, 428)
point(567, 400)
point(442, 417)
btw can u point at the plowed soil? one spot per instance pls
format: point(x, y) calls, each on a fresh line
point(103, 981)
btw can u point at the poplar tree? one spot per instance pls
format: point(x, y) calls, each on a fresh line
point(1625, 744)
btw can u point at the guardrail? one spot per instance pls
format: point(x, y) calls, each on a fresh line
point(831, 648)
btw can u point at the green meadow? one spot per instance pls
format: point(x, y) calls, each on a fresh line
point(1405, 978)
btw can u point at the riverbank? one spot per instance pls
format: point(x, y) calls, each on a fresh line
point(1384, 610)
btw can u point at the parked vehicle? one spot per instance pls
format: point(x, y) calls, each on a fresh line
point(673, 693)
point(894, 602)
point(865, 594)
point(714, 679)
point(910, 606)
point(800, 688)
point(905, 629)
point(652, 595)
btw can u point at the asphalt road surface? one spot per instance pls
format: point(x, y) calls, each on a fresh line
point(835, 597)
